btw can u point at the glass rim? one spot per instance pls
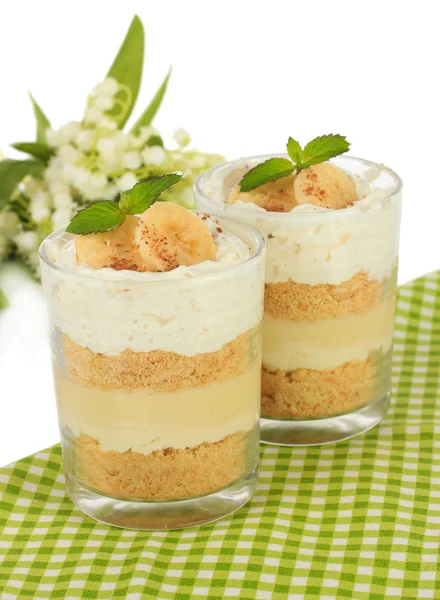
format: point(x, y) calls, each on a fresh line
point(260, 245)
point(203, 177)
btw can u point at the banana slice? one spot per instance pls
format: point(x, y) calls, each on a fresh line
point(169, 235)
point(324, 185)
point(275, 196)
point(114, 249)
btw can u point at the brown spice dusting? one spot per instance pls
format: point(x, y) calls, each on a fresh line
point(158, 370)
point(219, 229)
point(309, 393)
point(162, 474)
point(303, 302)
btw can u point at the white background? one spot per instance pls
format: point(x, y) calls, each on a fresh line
point(246, 75)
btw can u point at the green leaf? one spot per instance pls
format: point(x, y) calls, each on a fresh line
point(12, 172)
point(322, 148)
point(3, 300)
point(155, 140)
point(295, 151)
point(144, 193)
point(270, 170)
point(42, 121)
point(127, 66)
point(97, 218)
point(36, 149)
point(150, 112)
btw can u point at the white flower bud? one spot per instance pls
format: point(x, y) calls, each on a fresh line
point(106, 145)
point(92, 115)
point(69, 131)
point(146, 132)
point(110, 192)
point(84, 139)
point(126, 182)
point(103, 102)
point(39, 212)
point(27, 240)
point(107, 123)
point(108, 87)
point(69, 154)
point(132, 160)
point(154, 155)
point(182, 137)
point(53, 138)
point(62, 200)
point(61, 218)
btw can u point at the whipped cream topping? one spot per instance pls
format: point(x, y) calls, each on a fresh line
point(188, 310)
point(312, 244)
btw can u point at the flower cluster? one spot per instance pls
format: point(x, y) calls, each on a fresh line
point(94, 160)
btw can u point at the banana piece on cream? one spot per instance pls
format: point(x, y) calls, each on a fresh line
point(114, 249)
point(324, 185)
point(275, 196)
point(169, 236)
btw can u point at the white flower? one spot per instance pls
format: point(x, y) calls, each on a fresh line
point(108, 87)
point(107, 123)
point(53, 138)
point(106, 144)
point(126, 182)
point(182, 137)
point(69, 131)
point(92, 115)
point(41, 197)
point(31, 186)
point(147, 132)
point(84, 139)
point(132, 160)
point(69, 154)
point(153, 155)
point(61, 218)
point(69, 173)
point(62, 200)
point(110, 192)
point(39, 212)
point(26, 240)
point(103, 102)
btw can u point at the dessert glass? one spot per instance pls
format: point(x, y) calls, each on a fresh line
point(329, 303)
point(157, 381)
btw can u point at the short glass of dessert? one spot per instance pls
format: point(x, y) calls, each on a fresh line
point(332, 236)
point(157, 367)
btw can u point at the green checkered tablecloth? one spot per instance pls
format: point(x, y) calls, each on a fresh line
point(356, 520)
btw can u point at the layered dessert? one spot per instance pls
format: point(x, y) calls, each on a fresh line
point(156, 363)
point(332, 233)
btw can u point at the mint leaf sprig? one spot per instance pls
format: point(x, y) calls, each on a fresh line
point(317, 151)
point(107, 215)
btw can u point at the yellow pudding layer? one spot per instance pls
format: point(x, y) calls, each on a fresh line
point(144, 421)
point(328, 343)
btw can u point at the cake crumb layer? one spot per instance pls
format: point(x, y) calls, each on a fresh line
point(163, 474)
point(158, 370)
point(308, 393)
point(303, 302)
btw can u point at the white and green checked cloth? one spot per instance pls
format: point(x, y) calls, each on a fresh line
point(356, 520)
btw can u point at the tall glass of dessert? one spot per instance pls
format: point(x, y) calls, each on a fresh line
point(156, 357)
point(332, 233)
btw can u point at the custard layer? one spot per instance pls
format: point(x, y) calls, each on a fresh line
point(143, 421)
point(328, 343)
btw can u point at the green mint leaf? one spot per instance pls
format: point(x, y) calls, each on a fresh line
point(3, 300)
point(12, 172)
point(42, 121)
point(270, 170)
point(155, 140)
point(37, 149)
point(322, 148)
point(295, 151)
point(97, 218)
point(144, 193)
point(127, 66)
point(150, 112)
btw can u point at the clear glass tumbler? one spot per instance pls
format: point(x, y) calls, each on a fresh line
point(157, 383)
point(329, 303)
